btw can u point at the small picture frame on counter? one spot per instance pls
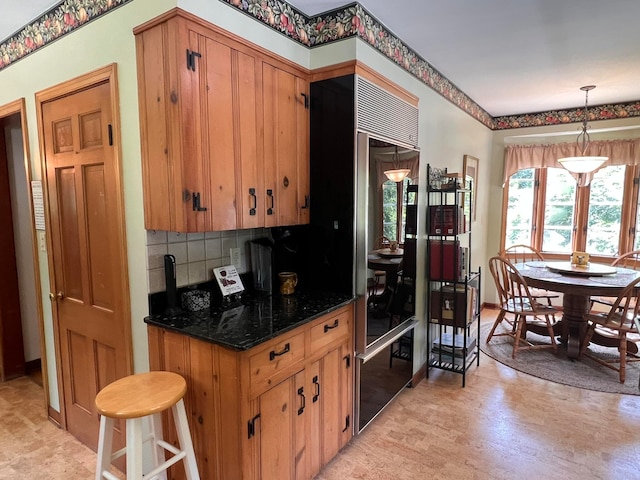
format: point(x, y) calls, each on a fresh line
point(228, 280)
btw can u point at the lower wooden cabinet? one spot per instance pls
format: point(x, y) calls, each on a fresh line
point(280, 418)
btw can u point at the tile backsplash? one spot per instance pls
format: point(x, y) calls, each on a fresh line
point(197, 254)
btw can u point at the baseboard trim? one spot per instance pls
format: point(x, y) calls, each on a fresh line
point(33, 366)
point(54, 417)
point(420, 375)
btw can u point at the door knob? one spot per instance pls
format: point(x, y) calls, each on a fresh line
point(53, 296)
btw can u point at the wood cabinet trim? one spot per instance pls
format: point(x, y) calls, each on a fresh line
point(356, 67)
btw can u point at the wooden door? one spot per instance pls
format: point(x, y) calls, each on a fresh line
point(286, 127)
point(88, 256)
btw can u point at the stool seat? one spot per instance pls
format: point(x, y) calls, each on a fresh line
point(141, 395)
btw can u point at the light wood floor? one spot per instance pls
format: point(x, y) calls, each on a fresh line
point(503, 425)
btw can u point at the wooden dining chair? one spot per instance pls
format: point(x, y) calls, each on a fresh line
point(628, 260)
point(621, 323)
point(517, 306)
point(522, 253)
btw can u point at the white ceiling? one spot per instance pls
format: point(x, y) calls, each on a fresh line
point(509, 56)
point(519, 56)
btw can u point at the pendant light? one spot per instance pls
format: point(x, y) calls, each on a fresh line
point(396, 174)
point(583, 163)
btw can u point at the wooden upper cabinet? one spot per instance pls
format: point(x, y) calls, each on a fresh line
point(225, 130)
point(286, 146)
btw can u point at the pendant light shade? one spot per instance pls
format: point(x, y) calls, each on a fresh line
point(583, 163)
point(397, 174)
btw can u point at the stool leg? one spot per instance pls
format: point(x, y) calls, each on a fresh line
point(184, 436)
point(155, 424)
point(134, 448)
point(105, 441)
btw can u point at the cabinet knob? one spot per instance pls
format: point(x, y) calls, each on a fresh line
point(285, 182)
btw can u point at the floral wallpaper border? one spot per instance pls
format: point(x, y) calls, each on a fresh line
point(61, 19)
point(345, 22)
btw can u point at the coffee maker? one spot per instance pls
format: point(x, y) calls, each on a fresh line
point(262, 265)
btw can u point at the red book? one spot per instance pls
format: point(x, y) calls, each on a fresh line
point(445, 260)
point(446, 220)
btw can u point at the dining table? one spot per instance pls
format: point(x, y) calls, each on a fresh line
point(577, 284)
point(389, 261)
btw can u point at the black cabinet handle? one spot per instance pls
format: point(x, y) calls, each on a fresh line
point(270, 195)
point(315, 382)
point(273, 354)
point(306, 100)
point(329, 327)
point(306, 202)
point(304, 400)
point(252, 192)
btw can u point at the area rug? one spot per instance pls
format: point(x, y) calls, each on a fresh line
point(583, 373)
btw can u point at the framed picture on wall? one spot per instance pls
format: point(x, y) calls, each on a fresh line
point(470, 174)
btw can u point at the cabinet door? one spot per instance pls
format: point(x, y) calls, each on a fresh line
point(336, 395)
point(170, 126)
point(282, 410)
point(286, 146)
point(219, 77)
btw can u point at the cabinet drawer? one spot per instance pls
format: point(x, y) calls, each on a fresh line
point(330, 329)
point(275, 360)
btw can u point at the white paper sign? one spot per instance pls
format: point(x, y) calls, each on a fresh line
point(38, 204)
point(228, 280)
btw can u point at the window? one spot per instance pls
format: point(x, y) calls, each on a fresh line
point(559, 206)
point(520, 208)
point(545, 208)
point(393, 213)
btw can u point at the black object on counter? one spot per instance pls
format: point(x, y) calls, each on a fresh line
point(172, 307)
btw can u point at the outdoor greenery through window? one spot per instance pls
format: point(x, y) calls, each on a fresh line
point(547, 210)
point(393, 211)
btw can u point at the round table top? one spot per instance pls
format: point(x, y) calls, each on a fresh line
point(376, 262)
point(537, 274)
point(387, 252)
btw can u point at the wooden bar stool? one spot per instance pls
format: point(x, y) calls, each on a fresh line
point(133, 398)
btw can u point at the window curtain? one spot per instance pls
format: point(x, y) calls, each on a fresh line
point(520, 157)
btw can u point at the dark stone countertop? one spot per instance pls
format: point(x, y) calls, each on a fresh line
point(252, 320)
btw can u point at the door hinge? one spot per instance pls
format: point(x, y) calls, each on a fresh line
point(636, 180)
point(197, 207)
point(191, 59)
point(347, 359)
point(251, 426)
point(110, 129)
